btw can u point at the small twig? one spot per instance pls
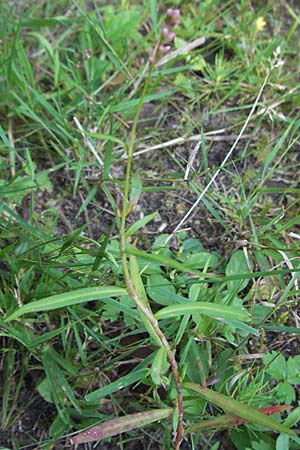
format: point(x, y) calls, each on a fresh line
point(209, 136)
point(87, 142)
point(191, 160)
point(181, 51)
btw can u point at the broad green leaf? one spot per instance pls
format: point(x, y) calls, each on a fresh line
point(162, 291)
point(293, 418)
point(275, 365)
point(201, 260)
point(285, 392)
point(209, 309)
point(68, 299)
point(238, 265)
point(238, 409)
point(293, 369)
point(282, 442)
point(120, 425)
point(121, 383)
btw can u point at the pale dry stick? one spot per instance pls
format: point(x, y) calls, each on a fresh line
point(186, 48)
point(290, 266)
point(191, 160)
point(214, 177)
point(209, 136)
point(87, 142)
point(294, 235)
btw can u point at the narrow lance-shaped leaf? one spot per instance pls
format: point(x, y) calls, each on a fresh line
point(120, 425)
point(121, 383)
point(68, 299)
point(229, 420)
point(209, 309)
point(238, 409)
point(140, 224)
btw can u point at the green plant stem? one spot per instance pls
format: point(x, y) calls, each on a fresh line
point(129, 282)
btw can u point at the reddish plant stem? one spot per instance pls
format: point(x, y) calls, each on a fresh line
point(149, 315)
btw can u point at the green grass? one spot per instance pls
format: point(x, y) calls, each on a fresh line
point(149, 225)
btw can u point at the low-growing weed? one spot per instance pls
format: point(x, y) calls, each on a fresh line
point(149, 226)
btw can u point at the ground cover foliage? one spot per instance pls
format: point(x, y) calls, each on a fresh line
point(149, 225)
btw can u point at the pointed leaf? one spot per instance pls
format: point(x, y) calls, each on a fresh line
point(67, 299)
point(120, 425)
point(140, 224)
point(238, 409)
point(121, 383)
point(209, 309)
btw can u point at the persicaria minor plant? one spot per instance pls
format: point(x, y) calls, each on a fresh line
point(133, 280)
point(237, 413)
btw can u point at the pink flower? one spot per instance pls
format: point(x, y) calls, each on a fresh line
point(164, 48)
point(173, 15)
point(167, 35)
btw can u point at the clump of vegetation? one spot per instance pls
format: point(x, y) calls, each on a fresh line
point(149, 225)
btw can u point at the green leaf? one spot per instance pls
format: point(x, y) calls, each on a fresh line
point(238, 265)
point(153, 13)
point(140, 289)
point(140, 224)
point(49, 22)
point(285, 392)
point(162, 291)
point(121, 383)
point(293, 369)
point(120, 425)
point(201, 260)
point(238, 409)
point(162, 260)
point(44, 389)
point(209, 309)
point(276, 365)
point(68, 299)
point(159, 365)
point(282, 442)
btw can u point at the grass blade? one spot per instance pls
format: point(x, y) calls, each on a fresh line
point(68, 299)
